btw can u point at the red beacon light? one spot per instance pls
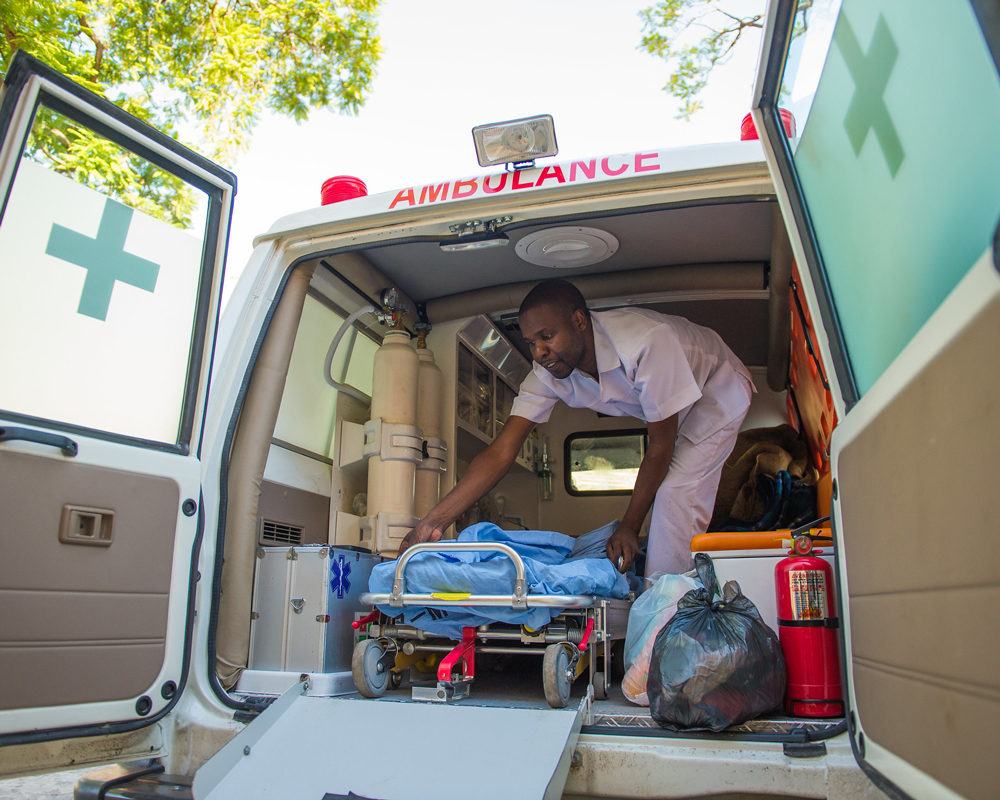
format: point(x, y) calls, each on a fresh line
point(748, 130)
point(342, 187)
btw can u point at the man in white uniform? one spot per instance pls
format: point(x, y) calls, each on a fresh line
point(680, 378)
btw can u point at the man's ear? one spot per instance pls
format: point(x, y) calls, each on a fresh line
point(579, 319)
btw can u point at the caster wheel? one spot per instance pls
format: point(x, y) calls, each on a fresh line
point(365, 669)
point(618, 660)
point(600, 693)
point(556, 677)
point(396, 679)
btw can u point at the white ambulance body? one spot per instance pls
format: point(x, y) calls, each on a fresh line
point(155, 458)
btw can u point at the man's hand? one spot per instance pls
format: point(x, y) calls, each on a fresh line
point(623, 544)
point(425, 531)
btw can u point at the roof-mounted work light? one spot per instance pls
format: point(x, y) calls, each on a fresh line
point(517, 142)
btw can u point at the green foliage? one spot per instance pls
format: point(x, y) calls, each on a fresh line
point(66, 147)
point(198, 70)
point(693, 36)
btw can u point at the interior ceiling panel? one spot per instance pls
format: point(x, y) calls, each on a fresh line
point(693, 235)
point(742, 324)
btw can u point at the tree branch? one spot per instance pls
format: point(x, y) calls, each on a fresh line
point(733, 17)
point(99, 46)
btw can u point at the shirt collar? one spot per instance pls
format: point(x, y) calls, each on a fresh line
point(606, 354)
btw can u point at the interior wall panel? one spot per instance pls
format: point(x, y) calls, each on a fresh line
point(81, 623)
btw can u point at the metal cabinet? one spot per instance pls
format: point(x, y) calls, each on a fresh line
point(485, 393)
point(304, 600)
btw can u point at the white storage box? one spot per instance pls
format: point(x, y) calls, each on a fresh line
point(304, 600)
point(753, 570)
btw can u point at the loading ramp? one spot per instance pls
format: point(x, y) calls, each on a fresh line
point(322, 747)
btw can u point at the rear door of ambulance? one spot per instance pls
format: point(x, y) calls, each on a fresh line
point(891, 192)
point(112, 239)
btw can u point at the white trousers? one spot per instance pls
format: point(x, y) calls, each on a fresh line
point(686, 498)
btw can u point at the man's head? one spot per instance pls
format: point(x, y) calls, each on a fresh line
point(555, 323)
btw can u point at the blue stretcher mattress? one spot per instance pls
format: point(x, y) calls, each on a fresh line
point(553, 564)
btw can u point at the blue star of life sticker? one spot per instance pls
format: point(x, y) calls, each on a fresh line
point(340, 576)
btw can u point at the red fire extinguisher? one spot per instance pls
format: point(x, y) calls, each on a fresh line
point(807, 629)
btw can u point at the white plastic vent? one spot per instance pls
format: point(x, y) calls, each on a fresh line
point(566, 247)
point(279, 533)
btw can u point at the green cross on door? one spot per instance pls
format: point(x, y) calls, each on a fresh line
point(104, 258)
point(870, 72)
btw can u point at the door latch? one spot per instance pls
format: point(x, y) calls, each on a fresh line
point(82, 525)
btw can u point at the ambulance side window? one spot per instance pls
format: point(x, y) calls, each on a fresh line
point(360, 365)
point(104, 283)
point(307, 417)
point(896, 159)
point(603, 462)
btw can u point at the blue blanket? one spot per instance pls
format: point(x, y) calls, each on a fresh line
point(550, 567)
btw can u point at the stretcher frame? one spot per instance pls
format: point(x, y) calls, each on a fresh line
point(587, 625)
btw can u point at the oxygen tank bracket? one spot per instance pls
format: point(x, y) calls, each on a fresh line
point(392, 441)
point(435, 453)
point(377, 528)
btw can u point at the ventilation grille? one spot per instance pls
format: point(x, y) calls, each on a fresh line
point(272, 532)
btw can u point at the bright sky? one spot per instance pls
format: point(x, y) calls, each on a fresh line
point(448, 65)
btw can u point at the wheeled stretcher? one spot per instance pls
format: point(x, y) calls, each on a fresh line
point(581, 636)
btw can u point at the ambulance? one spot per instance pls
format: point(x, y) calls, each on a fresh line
point(189, 508)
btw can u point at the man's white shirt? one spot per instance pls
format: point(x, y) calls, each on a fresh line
point(651, 366)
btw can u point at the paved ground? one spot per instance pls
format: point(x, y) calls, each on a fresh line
point(57, 786)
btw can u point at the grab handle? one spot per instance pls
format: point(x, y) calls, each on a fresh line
point(520, 586)
point(64, 443)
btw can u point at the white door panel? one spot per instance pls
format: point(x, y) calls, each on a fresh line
point(916, 467)
point(111, 244)
point(889, 192)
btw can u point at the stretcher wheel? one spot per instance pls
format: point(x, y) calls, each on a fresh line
point(368, 680)
point(556, 678)
point(395, 679)
point(600, 692)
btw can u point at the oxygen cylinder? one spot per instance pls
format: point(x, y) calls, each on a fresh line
point(807, 629)
point(390, 481)
point(428, 479)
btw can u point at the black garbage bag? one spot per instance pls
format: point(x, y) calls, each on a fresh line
point(716, 663)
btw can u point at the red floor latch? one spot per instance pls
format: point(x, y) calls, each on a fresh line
point(358, 623)
point(464, 651)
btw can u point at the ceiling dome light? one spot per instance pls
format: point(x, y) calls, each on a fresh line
point(566, 248)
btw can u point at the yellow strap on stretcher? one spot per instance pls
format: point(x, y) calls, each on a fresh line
point(451, 595)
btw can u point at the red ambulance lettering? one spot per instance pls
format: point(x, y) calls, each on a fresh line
point(431, 194)
point(606, 167)
point(492, 184)
point(551, 172)
point(494, 189)
point(405, 195)
point(464, 188)
point(641, 167)
point(517, 184)
point(588, 168)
